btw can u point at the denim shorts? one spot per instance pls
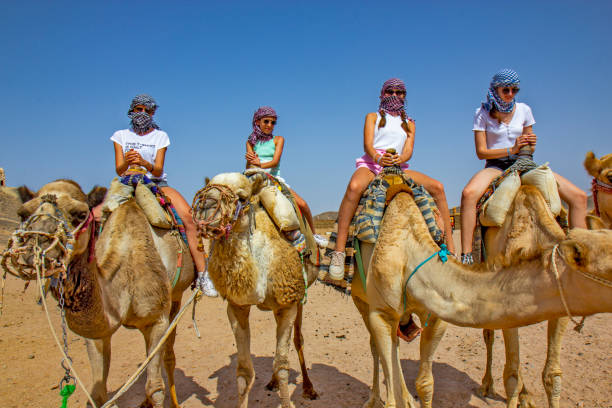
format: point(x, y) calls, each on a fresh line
point(502, 163)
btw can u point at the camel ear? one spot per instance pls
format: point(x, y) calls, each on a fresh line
point(96, 196)
point(594, 222)
point(206, 181)
point(25, 194)
point(27, 209)
point(574, 253)
point(592, 164)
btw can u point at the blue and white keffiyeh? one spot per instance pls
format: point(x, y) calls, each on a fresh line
point(505, 77)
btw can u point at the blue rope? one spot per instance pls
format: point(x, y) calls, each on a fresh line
point(442, 254)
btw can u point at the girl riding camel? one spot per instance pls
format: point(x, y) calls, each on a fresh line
point(145, 145)
point(501, 127)
point(264, 151)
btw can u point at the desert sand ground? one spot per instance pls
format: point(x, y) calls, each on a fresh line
point(337, 353)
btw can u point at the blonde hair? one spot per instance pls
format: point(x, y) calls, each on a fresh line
point(383, 121)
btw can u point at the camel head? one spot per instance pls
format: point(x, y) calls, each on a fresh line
point(590, 253)
point(51, 229)
point(217, 207)
point(600, 169)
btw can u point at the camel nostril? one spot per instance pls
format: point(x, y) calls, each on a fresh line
point(610, 178)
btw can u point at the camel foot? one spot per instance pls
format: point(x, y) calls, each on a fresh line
point(310, 394)
point(156, 400)
point(272, 385)
point(525, 401)
point(487, 390)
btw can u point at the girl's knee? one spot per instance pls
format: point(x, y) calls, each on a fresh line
point(469, 194)
point(436, 188)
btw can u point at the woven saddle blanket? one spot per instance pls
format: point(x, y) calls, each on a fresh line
point(368, 217)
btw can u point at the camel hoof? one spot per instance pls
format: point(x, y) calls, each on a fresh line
point(374, 402)
point(310, 394)
point(487, 390)
point(526, 402)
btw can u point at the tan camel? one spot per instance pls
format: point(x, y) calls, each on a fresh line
point(128, 282)
point(601, 170)
point(254, 265)
point(516, 288)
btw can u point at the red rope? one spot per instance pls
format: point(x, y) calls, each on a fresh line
point(595, 187)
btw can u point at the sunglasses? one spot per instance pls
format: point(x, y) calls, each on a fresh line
point(141, 109)
point(395, 92)
point(268, 121)
point(506, 90)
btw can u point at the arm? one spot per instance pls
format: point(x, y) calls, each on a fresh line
point(279, 143)
point(480, 140)
point(368, 136)
point(133, 157)
point(121, 164)
point(408, 145)
point(251, 157)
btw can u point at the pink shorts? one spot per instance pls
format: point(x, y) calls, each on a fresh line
point(369, 163)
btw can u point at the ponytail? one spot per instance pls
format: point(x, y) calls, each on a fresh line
point(404, 122)
point(383, 120)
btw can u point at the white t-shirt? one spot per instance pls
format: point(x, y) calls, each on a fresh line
point(147, 145)
point(391, 135)
point(501, 135)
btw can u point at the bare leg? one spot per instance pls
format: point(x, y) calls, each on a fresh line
point(359, 182)
point(487, 388)
point(430, 339)
point(436, 189)
point(184, 211)
point(576, 199)
point(285, 319)
point(169, 357)
point(99, 352)
point(304, 209)
point(551, 376)
point(472, 192)
point(245, 374)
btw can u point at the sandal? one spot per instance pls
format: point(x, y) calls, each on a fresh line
point(336, 266)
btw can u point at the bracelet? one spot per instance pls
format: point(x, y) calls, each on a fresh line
point(378, 160)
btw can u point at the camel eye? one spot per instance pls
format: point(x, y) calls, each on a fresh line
point(78, 216)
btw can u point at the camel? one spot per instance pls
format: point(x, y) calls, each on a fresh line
point(601, 170)
point(254, 265)
point(515, 288)
point(129, 281)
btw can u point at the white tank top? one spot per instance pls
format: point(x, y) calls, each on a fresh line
point(391, 135)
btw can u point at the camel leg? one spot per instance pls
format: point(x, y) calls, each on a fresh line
point(430, 339)
point(513, 382)
point(154, 387)
point(285, 318)
point(487, 388)
point(99, 352)
point(245, 374)
point(374, 401)
point(169, 357)
point(384, 328)
point(551, 376)
point(308, 390)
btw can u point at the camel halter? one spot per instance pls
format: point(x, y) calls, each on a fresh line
point(223, 208)
point(598, 185)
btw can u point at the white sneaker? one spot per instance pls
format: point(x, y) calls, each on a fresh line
point(336, 266)
point(321, 240)
point(206, 285)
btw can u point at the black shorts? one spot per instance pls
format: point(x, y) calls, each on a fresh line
point(502, 163)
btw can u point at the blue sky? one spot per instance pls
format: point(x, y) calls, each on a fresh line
point(69, 70)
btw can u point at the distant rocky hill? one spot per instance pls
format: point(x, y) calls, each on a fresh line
point(326, 216)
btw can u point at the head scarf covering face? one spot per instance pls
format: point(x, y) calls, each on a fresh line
point(142, 121)
point(505, 77)
point(393, 104)
point(258, 135)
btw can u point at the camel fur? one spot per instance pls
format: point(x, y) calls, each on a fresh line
point(512, 289)
point(254, 265)
point(601, 170)
point(128, 283)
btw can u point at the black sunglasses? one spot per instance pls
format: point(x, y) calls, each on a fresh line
point(506, 90)
point(140, 109)
point(395, 92)
point(268, 121)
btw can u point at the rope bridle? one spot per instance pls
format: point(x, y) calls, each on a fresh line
point(598, 279)
point(223, 212)
point(596, 186)
point(63, 238)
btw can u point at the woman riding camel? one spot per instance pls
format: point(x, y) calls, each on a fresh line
point(144, 145)
point(501, 127)
point(264, 151)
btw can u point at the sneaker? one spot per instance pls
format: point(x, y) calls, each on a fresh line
point(321, 240)
point(205, 285)
point(336, 266)
point(467, 259)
